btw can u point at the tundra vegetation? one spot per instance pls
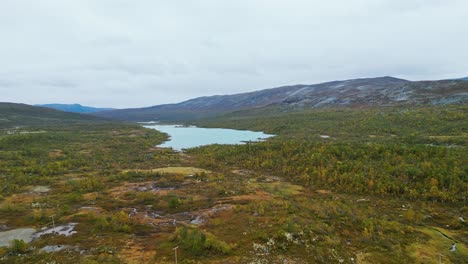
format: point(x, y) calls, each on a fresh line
point(354, 185)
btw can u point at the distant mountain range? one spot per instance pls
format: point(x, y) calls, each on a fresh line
point(465, 79)
point(74, 108)
point(12, 114)
point(382, 91)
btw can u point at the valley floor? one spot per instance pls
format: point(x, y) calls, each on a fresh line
point(104, 194)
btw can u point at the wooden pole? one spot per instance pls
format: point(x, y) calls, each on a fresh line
point(53, 223)
point(175, 252)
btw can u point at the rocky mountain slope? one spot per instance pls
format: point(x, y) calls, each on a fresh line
point(382, 91)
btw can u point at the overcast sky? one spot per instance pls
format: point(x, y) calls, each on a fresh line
point(133, 53)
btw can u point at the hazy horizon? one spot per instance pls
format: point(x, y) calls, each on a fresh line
point(125, 54)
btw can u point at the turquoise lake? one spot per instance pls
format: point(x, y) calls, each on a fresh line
point(182, 137)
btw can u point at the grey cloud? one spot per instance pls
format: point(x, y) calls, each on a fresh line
point(125, 53)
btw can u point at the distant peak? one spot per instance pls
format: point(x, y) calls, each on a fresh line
point(389, 78)
point(382, 78)
point(76, 108)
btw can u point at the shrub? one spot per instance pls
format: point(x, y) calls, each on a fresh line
point(199, 242)
point(146, 197)
point(18, 246)
point(174, 202)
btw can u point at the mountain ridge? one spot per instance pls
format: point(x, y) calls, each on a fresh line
point(379, 91)
point(74, 108)
point(16, 114)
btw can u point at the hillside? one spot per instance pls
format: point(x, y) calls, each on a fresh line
point(382, 91)
point(74, 108)
point(12, 114)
